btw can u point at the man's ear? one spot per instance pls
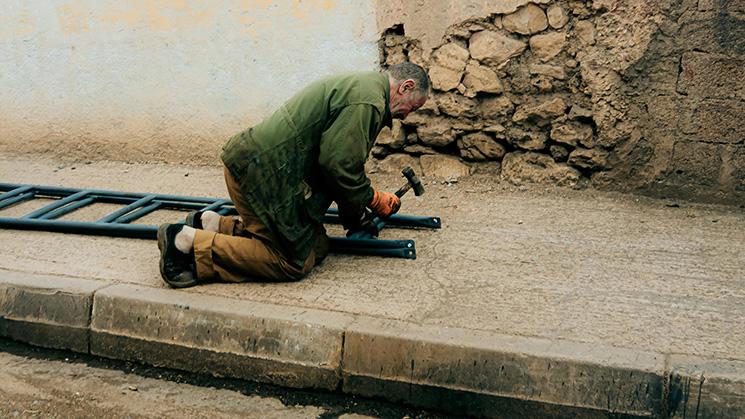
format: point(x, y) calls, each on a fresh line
point(406, 86)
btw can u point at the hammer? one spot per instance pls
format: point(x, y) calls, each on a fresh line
point(412, 182)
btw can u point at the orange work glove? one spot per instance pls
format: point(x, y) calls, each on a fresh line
point(384, 203)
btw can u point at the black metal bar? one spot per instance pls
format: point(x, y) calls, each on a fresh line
point(217, 204)
point(360, 234)
point(121, 211)
point(393, 248)
point(16, 199)
point(174, 204)
point(372, 243)
point(59, 203)
point(397, 253)
point(127, 218)
point(67, 209)
point(15, 191)
point(58, 191)
point(165, 203)
point(409, 221)
point(82, 227)
point(401, 220)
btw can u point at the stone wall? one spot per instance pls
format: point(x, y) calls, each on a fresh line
point(630, 95)
point(686, 97)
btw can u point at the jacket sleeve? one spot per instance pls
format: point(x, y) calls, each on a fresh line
point(343, 151)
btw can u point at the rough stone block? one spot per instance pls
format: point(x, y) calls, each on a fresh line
point(544, 110)
point(444, 78)
point(289, 346)
point(452, 56)
point(418, 150)
point(448, 63)
point(547, 46)
point(590, 159)
point(479, 146)
point(712, 76)
point(394, 163)
point(495, 107)
point(472, 372)
point(573, 134)
point(717, 31)
point(394, 137)
point(736, 6)
point(419, 118)
point(479, 78)
point(706, 388)
point(580, 112)
point(527, 140)
point(542, 83)
point(737, 167)
point(494, 48)
point(698, 163)
point(557, 17)
point(456, 105)
point(443, 166)
point(664, 110)
point(46, 311)
point(527, 20)
point(548, 70)
point(558, 152)
point(585, 31)
point(714, 121)
point(438, 132)
point(519, 168)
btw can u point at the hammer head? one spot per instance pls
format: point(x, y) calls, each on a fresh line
point(414, 181)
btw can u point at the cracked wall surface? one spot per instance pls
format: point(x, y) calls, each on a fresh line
point(630, 95)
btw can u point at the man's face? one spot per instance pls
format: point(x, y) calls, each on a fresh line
point(402, 105)
point(405, 99)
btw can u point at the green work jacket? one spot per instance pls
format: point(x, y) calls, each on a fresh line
point(311, 151)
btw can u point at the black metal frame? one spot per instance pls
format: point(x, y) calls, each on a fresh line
point(137, 205)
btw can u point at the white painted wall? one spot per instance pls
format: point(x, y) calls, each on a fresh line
point(162, 80)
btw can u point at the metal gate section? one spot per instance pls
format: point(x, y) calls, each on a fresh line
point(137, 205)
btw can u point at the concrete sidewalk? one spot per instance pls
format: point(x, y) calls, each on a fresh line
point(530, 302)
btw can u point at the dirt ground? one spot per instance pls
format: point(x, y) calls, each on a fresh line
point(44, 383)
point(578, 265)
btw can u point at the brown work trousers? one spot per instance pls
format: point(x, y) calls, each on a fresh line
point(244, 249)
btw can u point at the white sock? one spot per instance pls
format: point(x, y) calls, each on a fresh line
point(185, 239)
point(210, 221)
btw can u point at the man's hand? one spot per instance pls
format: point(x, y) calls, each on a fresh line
point(384, 204)
point(365, 224)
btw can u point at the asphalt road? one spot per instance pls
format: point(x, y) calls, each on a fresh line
point(41, 383)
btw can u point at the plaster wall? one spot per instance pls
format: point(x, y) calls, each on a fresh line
point(164, 80)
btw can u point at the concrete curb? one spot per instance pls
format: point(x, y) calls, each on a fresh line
point(47, 311)
point(288, 346)
point(702, 388)
point(456, 370)
point(486, 374)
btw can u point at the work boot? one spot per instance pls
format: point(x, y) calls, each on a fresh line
point(176, 267)
point(194, 219)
